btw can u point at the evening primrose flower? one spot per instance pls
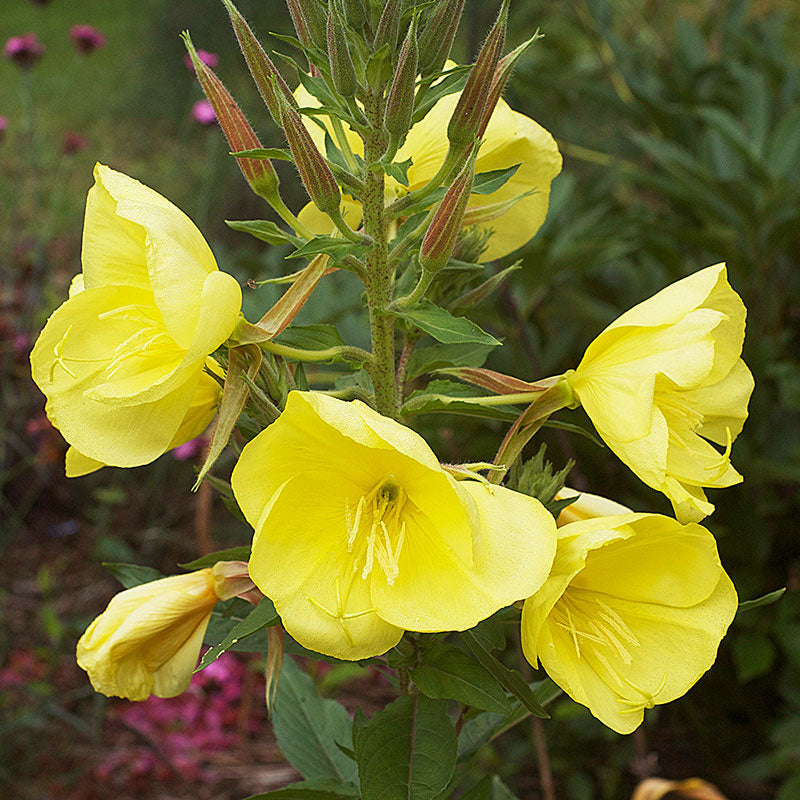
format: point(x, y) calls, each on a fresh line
point(585, 506)
point(510, 138)
point(632, 614)
point(666, 379)
point(148, 639)
point(360, 533)
point(122, 361)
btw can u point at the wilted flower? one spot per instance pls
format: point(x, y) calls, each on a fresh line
point(203, 112)
point(211, 60)
point(360, 533)
point(86, 38)
point(24, 50)
point(123, 360)
point(664, 379)
point(632, 614)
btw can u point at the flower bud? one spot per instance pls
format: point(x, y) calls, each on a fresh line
point(342, 69)
point(400, 102)
point(259, 63)
point(86, 38)
point(309, 22)
point(436, 39)
point(314, 172)
point(258, 172)
point(388, 29)
point(354, 13)
point(466, 119)
point(440, 238)
point(24, 50)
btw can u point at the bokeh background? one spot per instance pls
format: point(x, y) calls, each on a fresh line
point(680, 128)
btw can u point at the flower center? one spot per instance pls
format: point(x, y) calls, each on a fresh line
point(376, 529)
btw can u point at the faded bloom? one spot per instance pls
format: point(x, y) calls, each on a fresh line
point(123, 361)
point(86, 38)
point(665, 380)
point(24, 50)
point(148, 639)
point(360, 533)
point(203, 112)
point(211, 60)
point(632, 614)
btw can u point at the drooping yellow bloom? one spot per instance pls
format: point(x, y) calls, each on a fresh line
point(510, 138)
point(122, 360)
point(666, 378)
point(148, 639)
point(360, 533)
point(632, 614)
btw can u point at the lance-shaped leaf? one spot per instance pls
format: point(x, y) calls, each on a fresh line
point(443, 326)
point(437, 38)
point(264, 72)
point(322, 789)
point(440, 356)
point(242, 360)
point(286, 308)
point(265, 230)
point(481, 292)
point(466, 119)
point(208, 560)
point(258, 172)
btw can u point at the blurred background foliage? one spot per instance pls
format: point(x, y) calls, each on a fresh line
point(680, 128)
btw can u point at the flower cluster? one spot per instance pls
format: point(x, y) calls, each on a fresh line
point(360, 534)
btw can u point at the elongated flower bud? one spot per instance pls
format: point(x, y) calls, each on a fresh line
point(436, 39)
point(259, 63)
point(354, 13)
point(314, 172)
point(440, 238)
point(309, 22)
point(342, 70)
point(388, 29)
point(400, 102)
point(258, 172)
point(466, 119)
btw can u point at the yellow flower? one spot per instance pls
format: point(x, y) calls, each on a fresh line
point(586, 506)
point(510, 138)
point(360, 533)
point(631, 615)
point(148, 639)
point(122, 360)
point(666, 378)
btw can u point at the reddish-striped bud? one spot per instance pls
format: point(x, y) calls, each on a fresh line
point(314, 172)
point(259, 172)
point(400, 102)
point(436, 39)
point(309, 22)
point(342, 70)
point(440, 238)
point(466, 119)
point(388, 30)
point(259, 63)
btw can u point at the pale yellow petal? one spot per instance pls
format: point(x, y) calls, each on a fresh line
point(320, 223)
point(586, 506)
point(76, 464)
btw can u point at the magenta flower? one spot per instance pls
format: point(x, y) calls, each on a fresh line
point(86, 38)
point(209, 59)
point(190, 449)
point(204, 113)
point(3, 127)
point(24, 50)
point(72, 142)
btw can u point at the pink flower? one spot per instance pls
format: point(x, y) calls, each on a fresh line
point(3, 127)
point(209, 59)
point(86, 38)
point(204, 113)
point(72, 142)
point(189, 450)
point(24, 50)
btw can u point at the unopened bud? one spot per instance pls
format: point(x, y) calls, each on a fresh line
point(258, 172)
point(388, 29)
point(436, 39)
point(342, 70)
point(400, 102)
point(314, 172)
point(309, 21)
point(440, 238)
point(261, 67)
point(354, 13)
point(466, 119)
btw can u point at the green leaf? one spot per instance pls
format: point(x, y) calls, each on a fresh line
point(444, 327)
point(438, 356)
point(278, 153)
point(783, 152)
point(230, 554)
point(263, 229)
point(490, 788)
point(509, 679)
point(311, 337)
point(262, 616)
point(130, 575)
point(333, 246)
point(488, 182)
point(398, 170)
point(310, 790)
point(309, 728)
point(453, 81)
point(753, 655)
point(225, 617)
point(764, 600)
point(448, 673)
point(407, 751)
